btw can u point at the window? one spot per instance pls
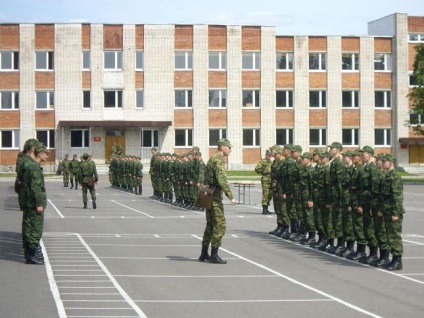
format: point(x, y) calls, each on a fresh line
point(284, 99)
point(284, 61)
point(317, 99)
point(149, 138)
point(183, 60)
point(284, 136)
point(414, 119)
point(350, 137)
point(350, 61)
point(44, 60)
point(113, 99)
point(383, 99)
point(251, 98)
point(9, 100)
point(86, 96)
point(183, 98)
point(414, 37)
point(413, 81)
point(383, 137)
point(251, 137)
point(350, 99)
point(215, 135)
point(382, 62)
point(217, 98)
point(10, 139)
point(46, 137)
point(80, 138)
point(139, 60)
point(317, 137)
point(183, 137)
point(113, 60)
point(251, 60)
point(44, 100)
point(86, 60)
point(139, 96)
point(217, 60)
point(317, 61)
point(9, 61)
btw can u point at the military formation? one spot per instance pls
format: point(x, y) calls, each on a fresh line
point(126, 174)
point(344, 197)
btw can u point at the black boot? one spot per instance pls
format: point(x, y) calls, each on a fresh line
point(383, 261)
point(39, 254)
point(269, 212)
point(204, 256)
point(310, 240)
point(395, 264)
point(301, 233)
point(280, 231)
point(140, 190)
point(321, 240)
point(372, 257)
point(72, 184)
point(276, 229)
point(94, 204)
point(170, 198)
point(76, 186)
point(294, 230)
point(215, 259)
point(359, 254)
point(349, 249)
point(32, 259)
point(265, 210)
point(85, 205)
point(340, 246)
point(286, 233)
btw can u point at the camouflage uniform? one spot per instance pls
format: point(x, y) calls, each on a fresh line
point(264, 168)
point(87, 170)
point(74, 168)
point(65, 171)
point(306, 194)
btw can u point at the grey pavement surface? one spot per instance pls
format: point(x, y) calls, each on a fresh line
point(134, 257)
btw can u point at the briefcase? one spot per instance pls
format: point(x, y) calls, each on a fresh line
point(205, 197)
point(91, 182)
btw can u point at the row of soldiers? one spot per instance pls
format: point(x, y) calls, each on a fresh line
point(348, 197)
point(70, 170)
point(181, 175)
point(126, 173)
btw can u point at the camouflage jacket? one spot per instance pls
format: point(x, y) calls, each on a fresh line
point(87, 169)
point(392, 191)
point(216, 177)
point(74, 166)
point(33, 185)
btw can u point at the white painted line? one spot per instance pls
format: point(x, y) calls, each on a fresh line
point(198, 276)
point(415, 243)
point(144, 245)
point(156, 235)
point(340, 301)
point(90, 293)
point(57, 210)
point(113, 280)
point(117, 235)
point(237, 301)
point(83, 281)
point(157, 258)
point(93, 217)
point(411, 257)
point(413, 274)
point(130, 208)
point(53, 286)
point(83, 287)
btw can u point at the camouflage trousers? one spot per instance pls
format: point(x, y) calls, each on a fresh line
point(74, 178)
point(215, 223)
point(380, 226)
point(32, 227)
point(369, 228)
point(394, 231)
point(327, 218)
point(308, 217)
point(65, 175)
point(358, 221)
point(319, 225)
point(266, 192)
point(85, 188)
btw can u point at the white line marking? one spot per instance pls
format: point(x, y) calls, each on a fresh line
point(57, 210)
point(90, 294)
point(130, 208)
point(53, 286)
point(412, 242)
point(236, 301)
point(421, 257)
point(417, 274)
point(113, 280)
point(340, 301)
point(156, 235)
point(117, 235)
point(198, 276)
point(158, 258)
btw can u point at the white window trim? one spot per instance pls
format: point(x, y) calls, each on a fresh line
point(322, 143)
point(136, 68)
point(185, 136)
point(139, 90)
point(253, 56)
point(220, 135)
point(253, 91)
point(352, 99)
point(386, 131)
point(14, 108)
point(355, 142)
point(385, 62)
point(420, 38)
point(48, 99)
point(220, 98)
point(13, 61)
point(115, 68)
point(353, 60)
point(84, 130)
point(116, 99)
point(14, 141)
point(320, 55)
point(287, 99)
point(420, 121)
point(86, 108)
point(48, 136)
point(386, 106)
point(320, 99)
point(47, 62)
point(220, 53)
point(89, 57)
point(287, 69)
point(254, 138)
point(186, 58)
point(287, 131)
point(185, 98)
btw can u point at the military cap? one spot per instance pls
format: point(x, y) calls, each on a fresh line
point(198, 153)
point(288, 146)
point(379, 156)
point(154, 148)
point(296, 148)
point(389, 157)
point(277, 148)
point(174, 154)
point(316, 151)
point(85, 155)
point(30, 143)
point(356, 153)
point(224, 142)
point(273, 147)
point(196, 149)
point(306, 155)
point(325, 154)
point(346, 153)
point(368, 149)
point(268, 152)
point(40, 148)
point(336, 145)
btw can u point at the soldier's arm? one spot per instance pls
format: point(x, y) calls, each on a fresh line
point(397, 191)
point(258, 168)
point(37, 187)
point(222, 180)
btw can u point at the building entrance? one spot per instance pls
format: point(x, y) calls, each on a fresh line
point(416, 154)
point(115, 142)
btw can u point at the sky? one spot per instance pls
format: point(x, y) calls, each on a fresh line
point(294, 17)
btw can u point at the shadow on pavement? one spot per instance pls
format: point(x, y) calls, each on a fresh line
point(11, 247)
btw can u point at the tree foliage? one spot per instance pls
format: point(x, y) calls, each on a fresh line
point(416, 96)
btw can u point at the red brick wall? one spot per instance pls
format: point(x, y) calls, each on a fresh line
point(350, 44)
point(183, 118)
point(44, 37)
point(383, 45)
point(411, 55)
point(284, 118)
point(9, 35)
point(250, 38)
point(10, 119)
point(183, 37)
point(317, 43)
point(317, 117)
point(44, 119)
point(112, 36)
point(139, 37)
point(415, 24)
point(217, 79)
point(284, 80)
point(217, 37)
point(86, 36)
point(382, 118)
point(383, 80)
point(9, 80)
point(8, 157)
point(251, 117)
point(86, 80)
point(183, 79)
point(350, 117)
point(139, 79)
point(44, 80)
point(251, 155)
point(284, 43)
point(218, 118)
point(251, 79)
point(351, 80)
point(318, 80)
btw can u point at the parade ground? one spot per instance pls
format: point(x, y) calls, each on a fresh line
point(134, 257)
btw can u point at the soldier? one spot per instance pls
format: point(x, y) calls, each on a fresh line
point(298, 233)
point(35, 203)
point(175, 171)
point(216, 178)
point(264, 168)
point(73, 169)
point(306, 195)
point(88, 170)
point(199, 176)
point(317, 182)
point(392, 191)
point(65, 170)
point(138, 176)
point(151, 171)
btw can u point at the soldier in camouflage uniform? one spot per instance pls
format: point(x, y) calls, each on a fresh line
point(306, 195)
point(392, 192)
point(65, 170)
point(175, 171)
point(73, 169)
point(264, 168)
point(151, 171)
point(138, 176)
point(216, 178)
point(35, 203)
point(316, 182)
point(88, 170)
point(199, 174)
point(293, 183)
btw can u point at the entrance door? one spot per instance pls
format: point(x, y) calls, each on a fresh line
point(149, 139)
point(416, 154)
point(115, 140)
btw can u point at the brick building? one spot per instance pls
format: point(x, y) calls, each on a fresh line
point(84, 87)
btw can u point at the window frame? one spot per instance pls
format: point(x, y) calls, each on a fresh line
point(222, 133)
point(322, 137)
point(119, 98)
point(85, 138)
point(49, 98)
point(188, 133)
point(419, 119)
point(256, 98)
point(222, 100)
point(137, 96)
point(354, 99)
point(387, 63)
point(13, 62)
point(354, 135)
point(289, 61)
point(14, 99)
point(188, 98)
point(222, 60)
point(84, 93)
point(15, 135)
point(256, 137)
point(354, 62)
point(137, 53)
point(420, 38)
point(118, 60)
point(321, 93)
point(255, 58)
point(86, 58)
point(50, 137)
point(49, 60)
point(289, 97)
point(387, 99)
point(188, 60)
point(289, 135)
point(322, 62)
point(387, 137)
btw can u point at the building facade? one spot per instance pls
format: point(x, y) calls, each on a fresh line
point(87, 87)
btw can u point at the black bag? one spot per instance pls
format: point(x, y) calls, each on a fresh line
point(91, 182)
point(205, 197)
point(17, 185)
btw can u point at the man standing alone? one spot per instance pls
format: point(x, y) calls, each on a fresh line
point(88, 177)
point(264, 168)
point(216, 178)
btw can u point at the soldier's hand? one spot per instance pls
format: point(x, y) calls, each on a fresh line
point(40, 209)
point(284, 196)
point(349, 209)
point(380, 214)
point(233, 201)
point(395, 218)
point(310, 204)
point(360, 210)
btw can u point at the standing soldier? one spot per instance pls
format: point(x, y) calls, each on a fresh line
point(73, 169)
point(392, 191)
point(294, 183)
point(200, 176)
point(276, 190)
point(306, 195)
point(216, 178)
point(88, 170)
point(151, 171)
point(65, 170)
point(264, 168)
point(138, 176)
point(317, 182)
point(35, 204)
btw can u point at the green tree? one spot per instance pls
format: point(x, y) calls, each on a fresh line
point(416, 96)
